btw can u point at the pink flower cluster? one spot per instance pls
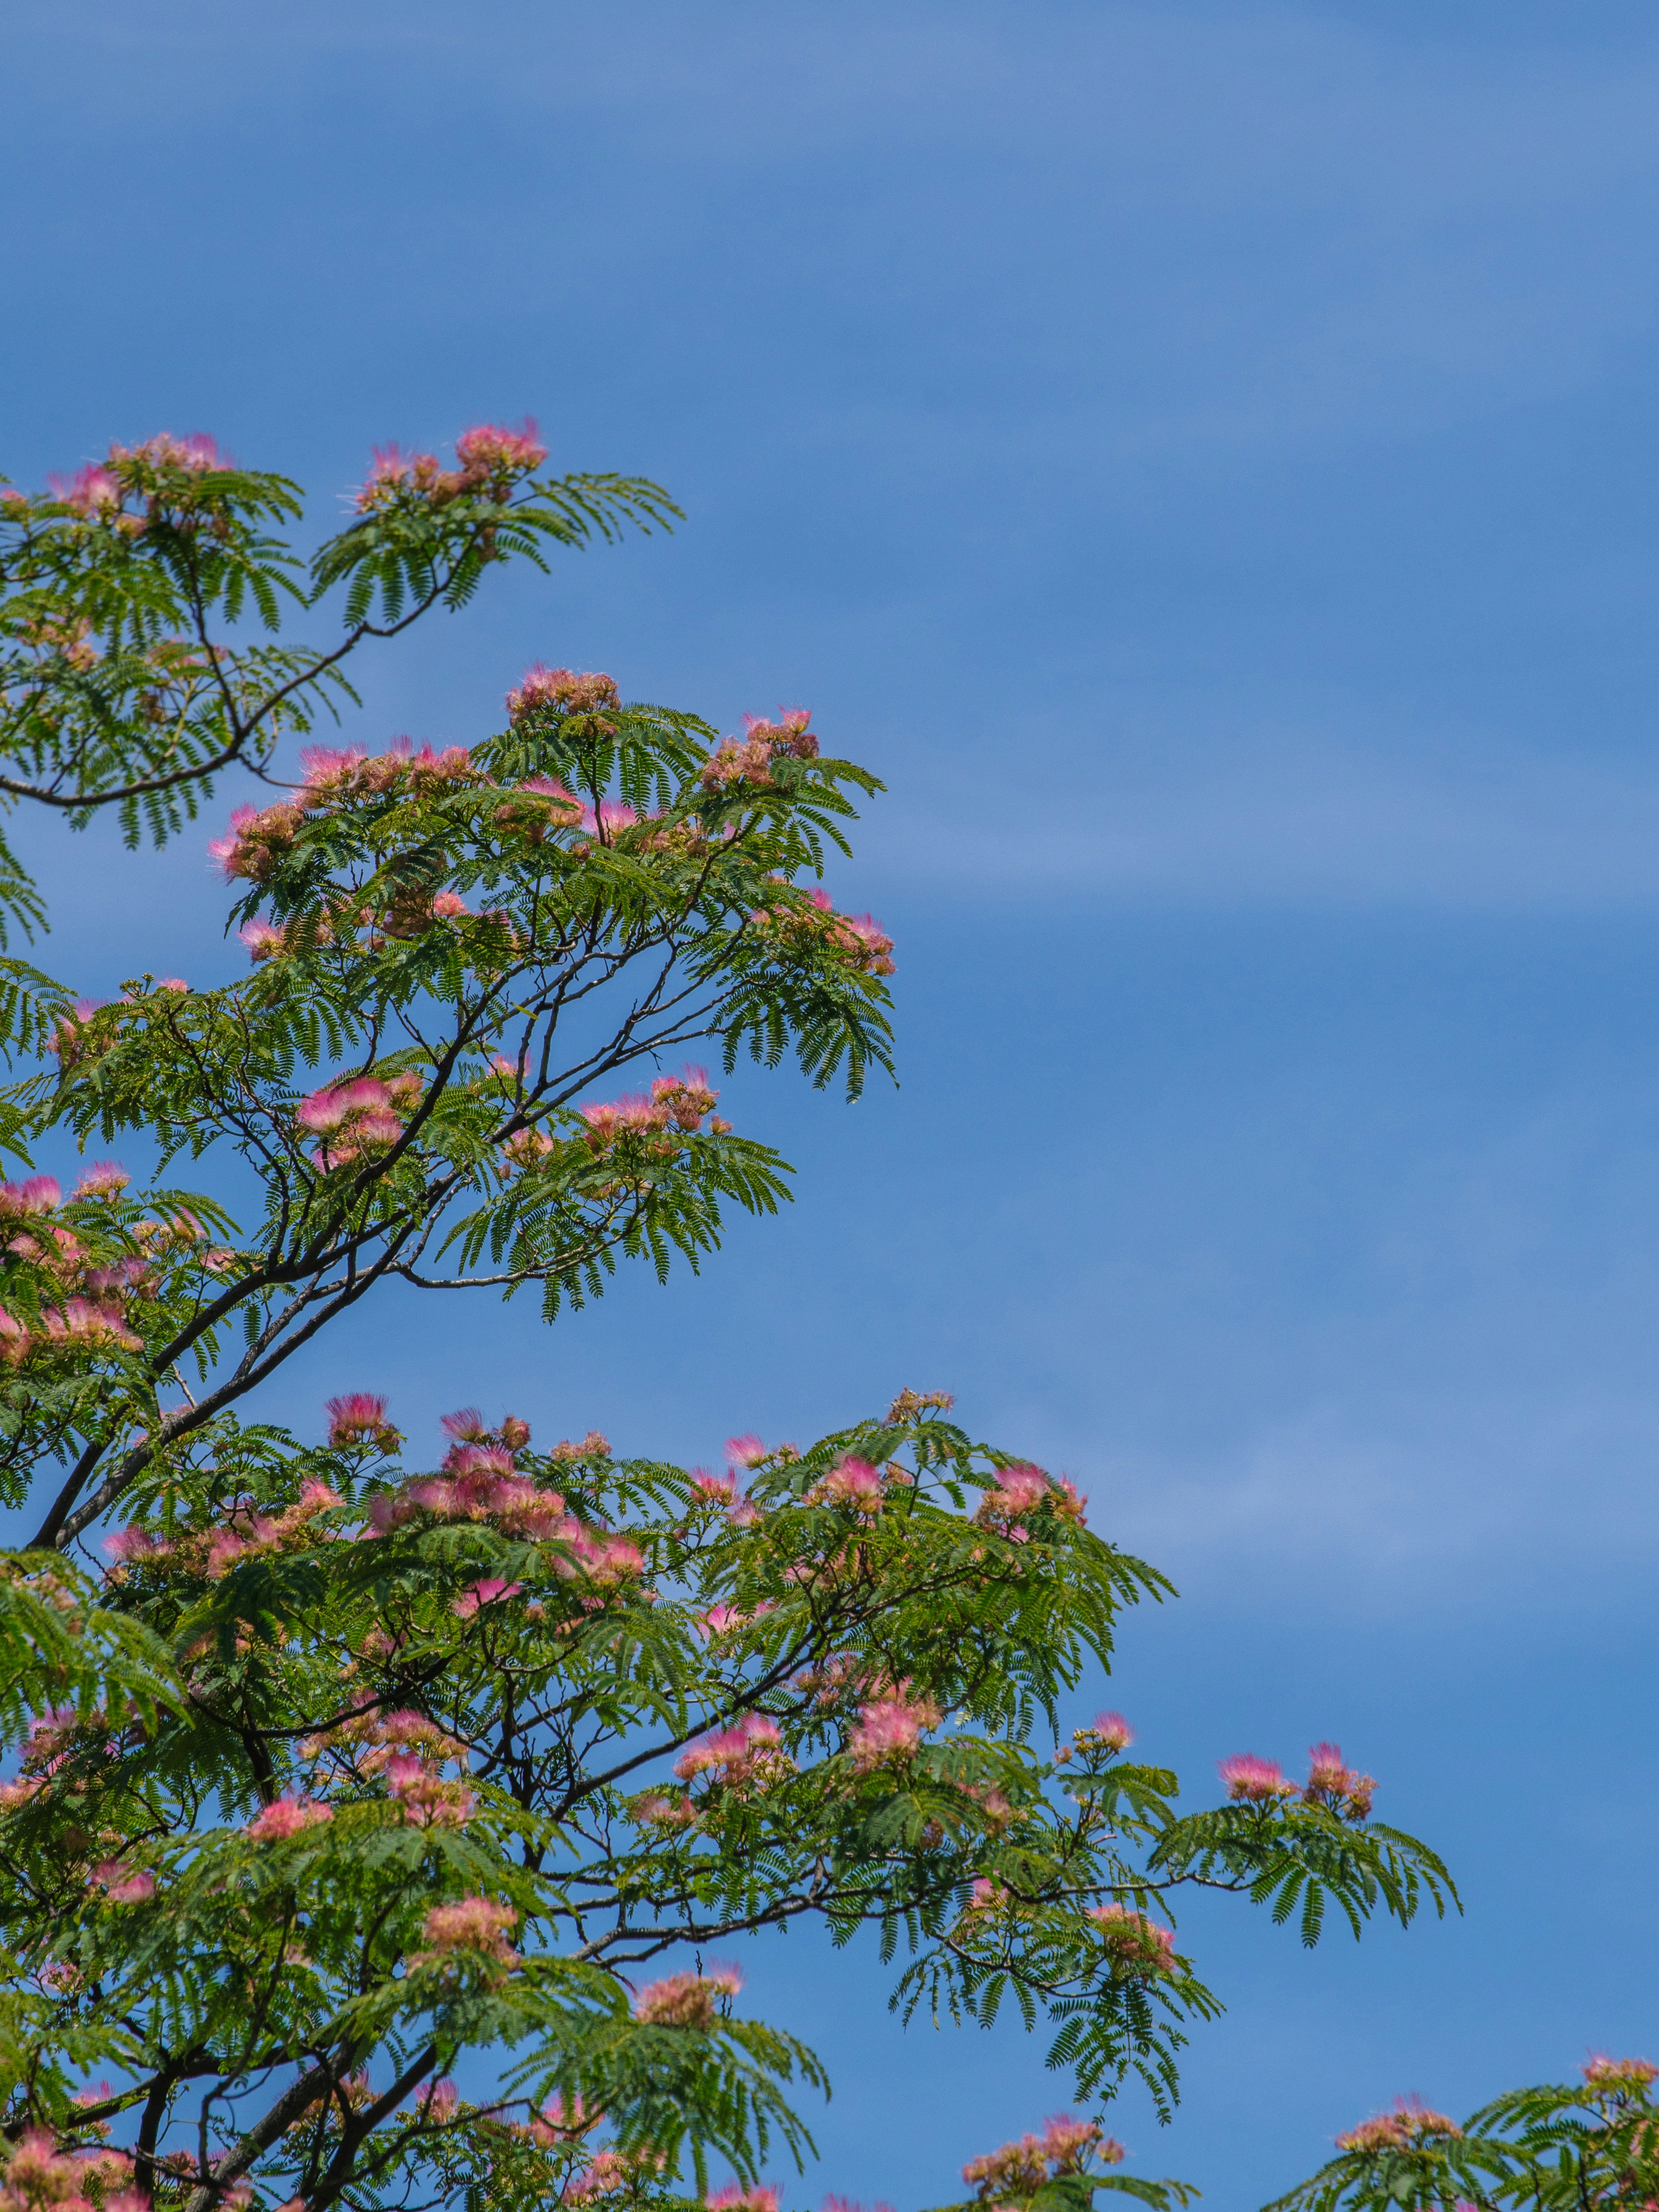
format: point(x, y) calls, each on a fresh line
point(1135, 1943)
point(686, 1999)
point(479, 1483)
point(259, 839)
point(756, 2197)
point(426, 1799)
point(99, 491)
point(95, 1317)
point(1335, 1785)
point(889, 1729)
point(357, 1421)
point(1252, 1781)
point(475, 1924)
point(1631, 2075)
point(1110, 1731)
point(542, 689)
point(357, 1118)
point(908, 1404)
point(1021, 1491)
point(763, 743)
point(675, 1103)
point(859, 939)
point(747, 1755)
point(243, 1532)
point(1331, 1783)
point(1399, 2129)
point(123, 1884)
point(1020, 2169)
point(41, 2178)
point(492, 458)
point(289, 1816)
point(853, 1484)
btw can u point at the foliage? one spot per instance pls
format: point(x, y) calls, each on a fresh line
point(346, 1772)
point(1589, 2146)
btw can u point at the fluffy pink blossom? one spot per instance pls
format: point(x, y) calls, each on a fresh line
point(718, 1619)
point(612, 815)
point(358, 1418)
point(197, 453)
point(390, 470)
point(90, 1325)
point(758, 2197)
point(1335, 1785)
point(122, 1884)
point(686, 1999)
point(489, 449)
point(475, 1924)
point(1253, 1781)
point(560, 689)
point(449, 906)
point(131, 1545)
point(263, 939)
point(488, 1592)
point(853, 1482)
point(92, 491)
point(440, 2102)
point(1137, 1944)
point(1110, 1729)
point(745, 1451)
point(733, 1753)
point(19, 1200)
point(1604, 2073)
point(286, 1818)
point(1017, 1493)
point(102, 1179)
point(428, 1801)
point(1399, 2129)
point(889, 1729)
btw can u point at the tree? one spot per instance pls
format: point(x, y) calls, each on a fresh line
point(1589, 2146)
point(342, 1767)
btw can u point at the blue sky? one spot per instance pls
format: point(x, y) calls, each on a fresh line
point(1203, 458)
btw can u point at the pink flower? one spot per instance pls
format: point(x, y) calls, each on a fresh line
point(686, 1999)
point(441, 2101)
point(466, 1426)
point(428, 1801)
point(475, 1924)
point(745, 1451)
point(91, 491)
point(1137, 1944)
point(103, 1179)
point(758, 2197)
point(449, 906)
point(1399, 2129)
point(390, 471)
point(263, 939)
point(123, 1886)
point(1604, 2073)
point(1335, 1785)
point(1018, 1491)
point(286, 1818)
point(358, 1418)
point(853, 1483)
point(1110, 1729)
point(487, 449)
point(562, 690)
point(737, 1750)
point(129, 1545)
point(196, 454)
point(488, 1592)
point(19, 1200)
point(889, 1729)
point(1253, 1781)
